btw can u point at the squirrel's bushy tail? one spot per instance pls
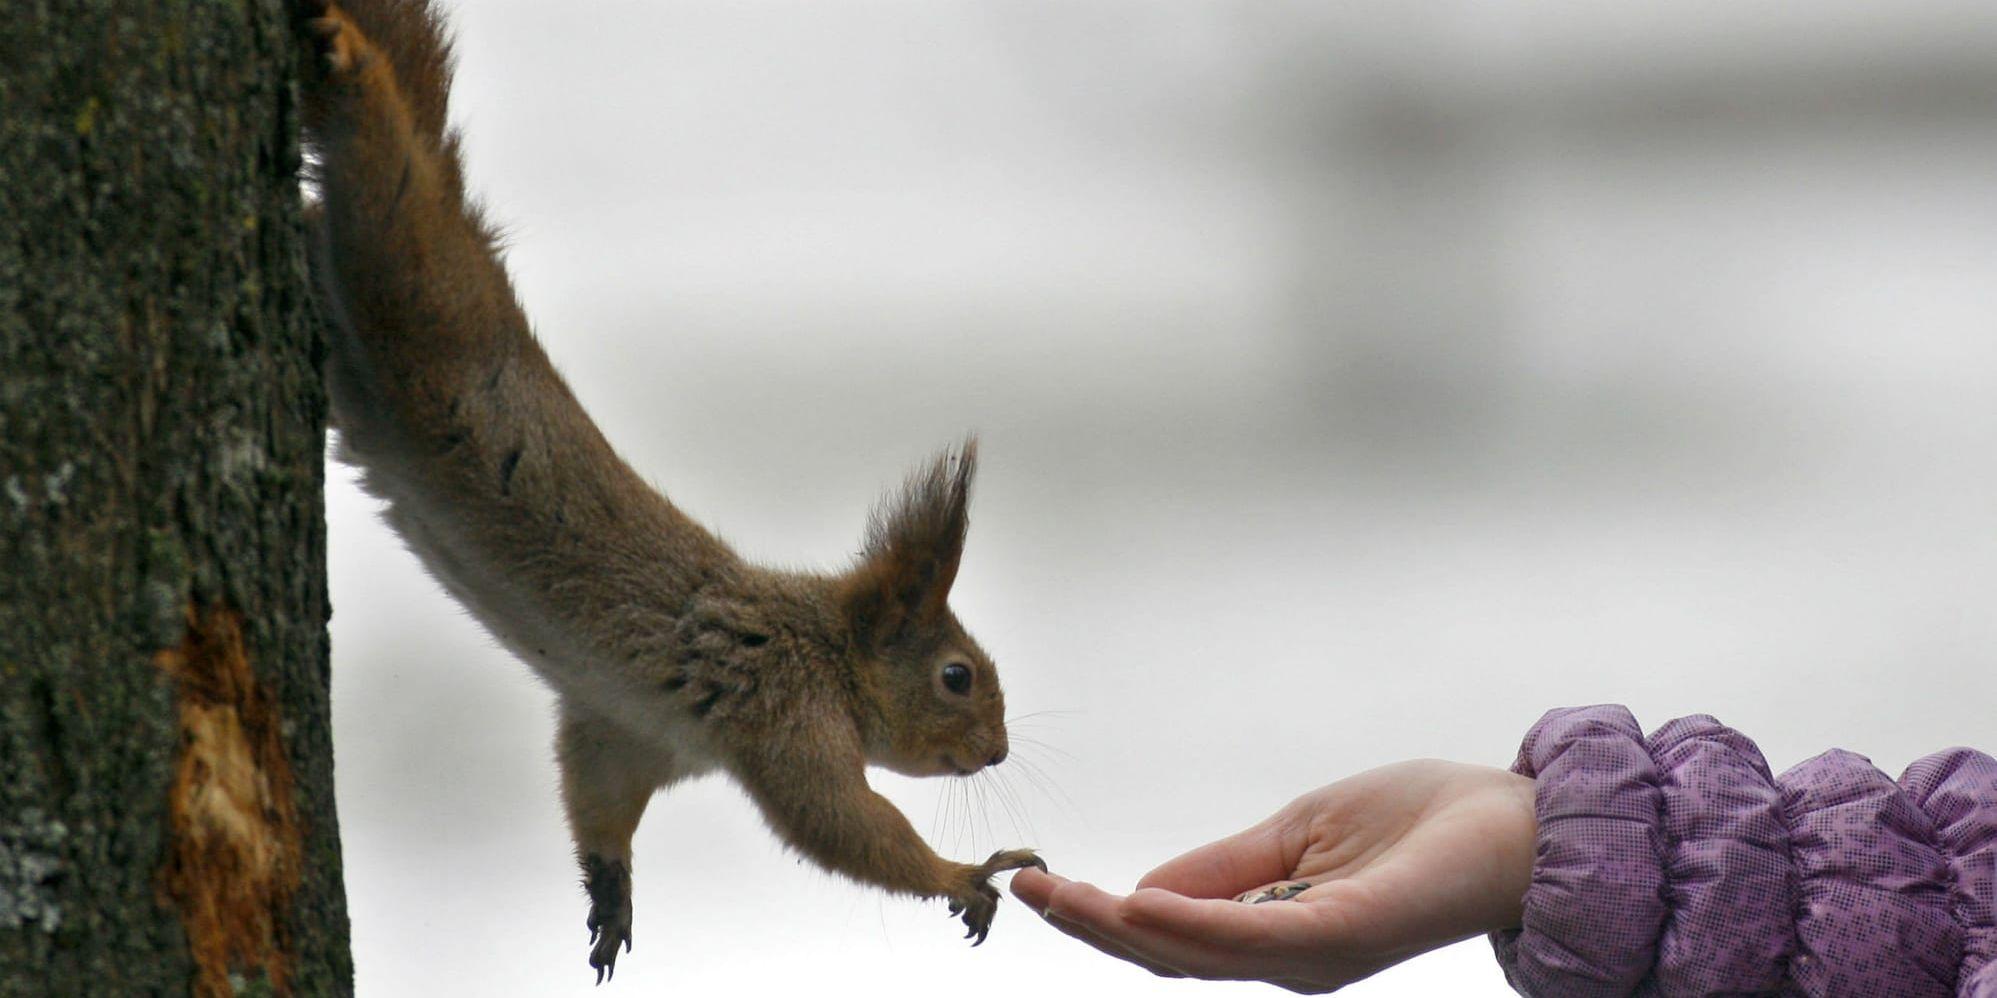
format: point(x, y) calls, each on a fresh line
point(441, 391)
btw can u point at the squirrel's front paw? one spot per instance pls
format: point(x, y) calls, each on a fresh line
point(977, 900)
point(609, 886)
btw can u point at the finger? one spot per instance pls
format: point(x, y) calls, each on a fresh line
point(1033, 888)
point(1231, 925)
point(1088, 936)
point(1036, 890)
point(1309, 947)
point(1223, 869)
point(1103, 915)
point(1303, 986)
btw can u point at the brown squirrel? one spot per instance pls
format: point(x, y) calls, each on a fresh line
point(670, 655)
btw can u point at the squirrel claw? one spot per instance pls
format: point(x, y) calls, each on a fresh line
point(1012, 859)
point(603, 957)
point(609, 885)
point(977, 900)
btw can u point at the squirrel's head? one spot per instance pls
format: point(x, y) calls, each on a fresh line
point(936, 705)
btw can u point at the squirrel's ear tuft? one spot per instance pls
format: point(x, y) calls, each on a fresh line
point(914, 542)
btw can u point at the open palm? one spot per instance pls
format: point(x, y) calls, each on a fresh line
point(1398, 861)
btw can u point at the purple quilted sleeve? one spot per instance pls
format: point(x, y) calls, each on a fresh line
point(1596, 902)
point(1675, 865)
point(1873, 915)
point(1727, 870)
point(1957, 789)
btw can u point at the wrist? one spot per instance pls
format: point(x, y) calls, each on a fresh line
point(1516, 835)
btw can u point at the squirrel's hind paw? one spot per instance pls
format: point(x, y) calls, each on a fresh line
point(336, 39)
point(609, 923)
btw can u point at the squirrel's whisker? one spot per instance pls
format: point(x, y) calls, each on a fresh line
point(1044, 782)
point(1048, 747)
point(1016, 806)
point(988, 788)
point(1031, 715)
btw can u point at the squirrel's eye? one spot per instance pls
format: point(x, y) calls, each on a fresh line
point(957, 677)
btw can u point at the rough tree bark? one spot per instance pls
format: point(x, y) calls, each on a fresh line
point(166, 768)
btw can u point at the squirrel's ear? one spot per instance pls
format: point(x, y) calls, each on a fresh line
point(914, 542)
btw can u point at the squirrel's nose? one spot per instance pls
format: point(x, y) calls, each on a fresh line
point(997, 757)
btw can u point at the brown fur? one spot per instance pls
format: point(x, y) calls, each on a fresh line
point(670, 654)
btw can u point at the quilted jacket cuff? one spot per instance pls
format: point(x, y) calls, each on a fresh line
point(1957, 790)
point(1727, 874)
point(1593, 912)
point(1677, 866)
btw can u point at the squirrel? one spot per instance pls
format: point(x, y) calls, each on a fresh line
point(670, 655)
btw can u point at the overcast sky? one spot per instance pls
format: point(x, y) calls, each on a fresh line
point(1356, 382)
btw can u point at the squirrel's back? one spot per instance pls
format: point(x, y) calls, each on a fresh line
point(491, 469)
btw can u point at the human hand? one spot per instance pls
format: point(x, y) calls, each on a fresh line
point(1400, 860)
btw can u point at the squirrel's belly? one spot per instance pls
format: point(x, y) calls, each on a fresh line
point(519, 623)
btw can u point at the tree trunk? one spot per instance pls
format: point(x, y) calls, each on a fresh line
point(166, 761)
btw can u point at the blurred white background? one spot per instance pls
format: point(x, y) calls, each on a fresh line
point(1356, 382)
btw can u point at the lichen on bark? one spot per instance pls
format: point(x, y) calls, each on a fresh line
point(161, 451)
